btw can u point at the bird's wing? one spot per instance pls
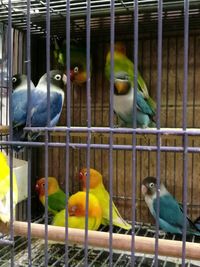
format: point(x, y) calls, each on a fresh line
point(57, 201)
point(19, 107)
point(143, 105)
point(104, 199)
point(39, 108)
point(170, 211)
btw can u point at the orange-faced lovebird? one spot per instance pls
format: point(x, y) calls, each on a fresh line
point(56, 197)
point(124, 91)
point(78, 74)
point(171, 216)
point(77, 212)
point(97, 188)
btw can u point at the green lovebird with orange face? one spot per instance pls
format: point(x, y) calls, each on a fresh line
point(97, 188)
point(56, 197)
point(77, 212)
point(78, 73)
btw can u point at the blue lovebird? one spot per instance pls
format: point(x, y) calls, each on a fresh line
point(123, 103)
point(171, 214)
point(38, 103)
point(19, 106)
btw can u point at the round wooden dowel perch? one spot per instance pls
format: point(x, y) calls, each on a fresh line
point(170, 248)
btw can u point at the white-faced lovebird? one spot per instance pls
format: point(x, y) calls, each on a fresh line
point(38, 103)
point(171, 215)
point(124, 91)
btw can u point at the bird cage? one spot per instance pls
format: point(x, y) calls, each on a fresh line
point(162, 39)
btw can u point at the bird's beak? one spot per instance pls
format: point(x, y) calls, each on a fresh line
point(37, 188)
point(64, 79)
point(72, 75)
point(121, 86)
point(80, 175)
point(144, 189)
point(72, 210)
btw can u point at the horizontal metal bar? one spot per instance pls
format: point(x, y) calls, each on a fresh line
point(166, 131)
point(103, 146)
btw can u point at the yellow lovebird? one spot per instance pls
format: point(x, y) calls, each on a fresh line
point(76, 212)
point(56, 197)
point(97, 188)
point(5, 190)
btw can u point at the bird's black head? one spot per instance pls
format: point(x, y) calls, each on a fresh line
point(57, 78)
point(149, 185)
point(16, 80)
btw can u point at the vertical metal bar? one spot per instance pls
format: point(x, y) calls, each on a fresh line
point(112, 41)
point(158, 139)
point(68, 123)
point(88, 11)
point(135, 52)
point(48, 123)
point(185, 137)
point(9, 51)
point(28, 63)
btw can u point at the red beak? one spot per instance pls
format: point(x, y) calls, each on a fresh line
point(37, 188)
point(80, 175)
point(72, 75)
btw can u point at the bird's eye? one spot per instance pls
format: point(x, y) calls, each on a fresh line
point(43, 184)
point(85, 173)
point(14, 79)
point(57, 77)
point(75, 69)
point(151, 185)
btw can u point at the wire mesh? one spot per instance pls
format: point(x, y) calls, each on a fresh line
point(88, 136)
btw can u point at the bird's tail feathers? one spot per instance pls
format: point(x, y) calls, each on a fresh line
point(118, 220)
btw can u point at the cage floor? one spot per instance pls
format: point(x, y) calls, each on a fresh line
point(96, 257)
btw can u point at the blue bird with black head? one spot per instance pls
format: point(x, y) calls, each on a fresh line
point(38, 104)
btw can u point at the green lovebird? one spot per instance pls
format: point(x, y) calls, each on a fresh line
point(56, 197)
point(124, 91)
point(78, 73)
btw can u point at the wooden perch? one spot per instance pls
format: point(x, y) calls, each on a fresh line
point(146, 245)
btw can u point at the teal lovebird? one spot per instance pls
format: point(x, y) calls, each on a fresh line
point(171, 214)
point(78, 73)
point(124, 91)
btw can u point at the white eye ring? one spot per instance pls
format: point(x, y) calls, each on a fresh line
point(76, 69)
point(14, 79)
point(151, 185)
point(57, 77)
